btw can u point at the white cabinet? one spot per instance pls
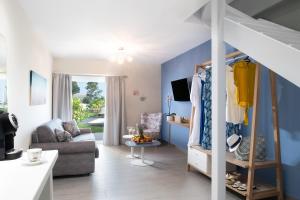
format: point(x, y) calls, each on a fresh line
point(21, 181)
point(199, 160)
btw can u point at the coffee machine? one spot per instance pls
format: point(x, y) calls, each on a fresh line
point(8, 128)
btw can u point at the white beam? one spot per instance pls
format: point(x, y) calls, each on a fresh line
point(278, 56)
point(218, 99)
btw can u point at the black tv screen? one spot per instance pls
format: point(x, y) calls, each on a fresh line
point(181, 89)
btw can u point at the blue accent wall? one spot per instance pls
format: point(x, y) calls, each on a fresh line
point(288, 96)
point(179, 67)
point(182, 66)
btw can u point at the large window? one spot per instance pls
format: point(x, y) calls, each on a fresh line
point(89, 103)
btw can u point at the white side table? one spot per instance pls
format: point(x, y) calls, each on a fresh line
point(142, 162)
point(131, 155)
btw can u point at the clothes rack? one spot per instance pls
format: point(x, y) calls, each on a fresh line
point(262, 191)
point(236, 58)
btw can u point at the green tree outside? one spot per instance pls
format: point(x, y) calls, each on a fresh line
point(96, 105)
point(93, 92)
point(75, 88)
point(79, 113)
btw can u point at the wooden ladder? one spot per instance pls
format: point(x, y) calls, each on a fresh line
point(277, 191)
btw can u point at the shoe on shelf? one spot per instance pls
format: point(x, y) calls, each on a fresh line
point(243, 187)
point(237, 184)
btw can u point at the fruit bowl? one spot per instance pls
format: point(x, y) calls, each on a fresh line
point(141, 139)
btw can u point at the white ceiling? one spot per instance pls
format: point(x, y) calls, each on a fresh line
point(151, 30)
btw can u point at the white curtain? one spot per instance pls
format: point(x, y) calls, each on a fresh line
point(62, 97)
point(115, 123)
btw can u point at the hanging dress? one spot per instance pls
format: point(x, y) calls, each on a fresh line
point(244, 76)
point(202, 109)
point(206, 97)
point(195, 100)
point(234, 112)
point(197, 103)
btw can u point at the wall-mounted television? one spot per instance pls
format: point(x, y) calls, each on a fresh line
point(181, 89)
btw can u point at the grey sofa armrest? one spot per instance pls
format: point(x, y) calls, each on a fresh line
point(68, 147)
point(85, 130)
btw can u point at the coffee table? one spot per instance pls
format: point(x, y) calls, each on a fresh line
point(142, 162)
point(131, 155)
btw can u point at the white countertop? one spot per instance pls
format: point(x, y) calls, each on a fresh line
point(19, 181)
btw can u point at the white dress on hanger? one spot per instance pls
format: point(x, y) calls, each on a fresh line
point(234, 112)
point(195, 97)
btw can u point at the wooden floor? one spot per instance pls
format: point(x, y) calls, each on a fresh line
point(116, 179)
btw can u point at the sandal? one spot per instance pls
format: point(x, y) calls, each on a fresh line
point(229, 176)
point(230, 181)
point(233, 175)
point(243, 187)
point(237, 184)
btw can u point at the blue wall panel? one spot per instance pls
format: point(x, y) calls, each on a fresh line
point(179, 67)
point(289, 123)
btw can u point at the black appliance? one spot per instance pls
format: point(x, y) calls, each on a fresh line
point(8, 128)
point(181, 89)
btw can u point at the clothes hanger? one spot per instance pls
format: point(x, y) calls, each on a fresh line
point(247, 59)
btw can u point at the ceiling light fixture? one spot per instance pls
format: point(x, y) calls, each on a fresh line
point(121, 56)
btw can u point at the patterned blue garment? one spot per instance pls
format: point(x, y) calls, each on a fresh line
point(205, 123)
point(201, 112)
point(232, 128)
point(206, 97)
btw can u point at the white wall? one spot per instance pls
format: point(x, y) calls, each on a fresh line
point(143, 77)
point(25, 53)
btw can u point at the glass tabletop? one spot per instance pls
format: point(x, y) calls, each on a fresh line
point(154, 143)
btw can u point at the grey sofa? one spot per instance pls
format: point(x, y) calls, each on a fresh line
point(74, 158)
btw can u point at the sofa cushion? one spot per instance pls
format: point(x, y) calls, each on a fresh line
point(71, 127)
point(63, 136)
point(46, 132)
point(84, 137)
point(87, 137)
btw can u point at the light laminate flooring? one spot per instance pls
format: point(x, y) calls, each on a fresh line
point(116, 179)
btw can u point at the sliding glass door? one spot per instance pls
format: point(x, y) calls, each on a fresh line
point(89, 103)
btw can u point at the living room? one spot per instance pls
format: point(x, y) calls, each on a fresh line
point(124, 99)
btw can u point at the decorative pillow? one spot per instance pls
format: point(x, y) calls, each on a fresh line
point(63, 136)
point(45, 134)
point(72, 128)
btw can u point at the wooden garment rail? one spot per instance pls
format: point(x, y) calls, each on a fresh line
point(208, 63)
point(251, 194)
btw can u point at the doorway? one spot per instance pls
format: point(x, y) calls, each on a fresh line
point(88, 94)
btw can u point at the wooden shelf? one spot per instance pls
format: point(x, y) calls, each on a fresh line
point(230, 158)
point(186, 125)
point(261, 191)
